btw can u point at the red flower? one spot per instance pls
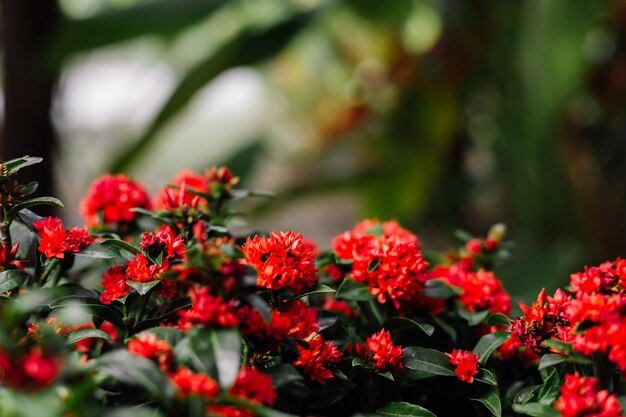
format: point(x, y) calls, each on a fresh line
point(254, 326)
point(114, 283)
point(163, 241)
point(209, 310)
point(190, 383)
point(54, 242)
point(339, 306)
point(582, 396)
point(281, 261)
point(228, 411)
point(40, 369)
point(172, 198)
point(149, 347)
point(139, 269)
point(380, 351)
point(254, 386)
point(7, 258)
point(317, 357)
point(110, 199)
point(303, 320)
point(607, 278)
point(466, 363)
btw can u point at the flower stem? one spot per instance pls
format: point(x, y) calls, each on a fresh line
point(48, 270)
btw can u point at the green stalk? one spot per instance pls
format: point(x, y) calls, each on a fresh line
point(46, 272)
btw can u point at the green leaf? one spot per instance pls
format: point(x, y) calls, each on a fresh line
point(328, 395)
point(403, 409)
point(99, 251)
point(170, 334)
point(449, 330)
point(486, 377)
point(162, 18)
point(428, 362)
point(103, 312)
point(226, 344)
point(558, 345)
point(143, 288)
point(261, 306)
point(15, 165)
point(473, 318)
point(526, 394)
point(549, 391)
point(488, 343)
point(491, 401)
point(498, 319)
point(156, 321)
point(81, 334)
point(402, 324)
point(551, 359)
point(352, 290)
point(437, 288)
point(122, 245)
point(247, 48)
point(135, 370)
point(536, 410)
point(320, 289)
point(38, 201)
point(12, 279)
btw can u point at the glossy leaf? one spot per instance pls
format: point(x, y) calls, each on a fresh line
point(16, 164)
point(122, 245)
point(402, 324)
point(404, 409)
point(81, 334)
point(536, 410)
point(491, 401)
point(488, 343)
point(352, 290)
point(12, 279)
point(486, 376)
point(437, 288)
point(428, 362)
point(38, 201)
point(143, 288)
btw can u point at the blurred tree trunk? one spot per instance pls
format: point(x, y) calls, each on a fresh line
point(27, 26)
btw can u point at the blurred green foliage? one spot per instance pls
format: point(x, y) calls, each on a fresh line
point(440, 114)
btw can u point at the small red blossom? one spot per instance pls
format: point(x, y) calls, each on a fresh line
point(281, 261)
point(140, 269)
point(32, 371)
point(303, 320)
point(172, 198)
point(316, 359)
point(466, 364)
point(7, 258)
point(380, 351)
point(254, 386)
point(110, 199)
point(228, 411)
point(607, 278)
point(254, 325)
point(189, 383)
point(149, 347)
point(582, 396)
point(209, 310)
point(54, 242)
point(114, 283)
point(164, 241)
point(339, 306)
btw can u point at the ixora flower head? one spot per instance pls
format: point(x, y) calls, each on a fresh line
point(380, 352)
point(582, 396)
point(466, 364)
point(55, 242)
point(110, 199)
point(282, 260)
point(317, 357)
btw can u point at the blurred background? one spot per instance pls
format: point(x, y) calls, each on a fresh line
point(442, 114)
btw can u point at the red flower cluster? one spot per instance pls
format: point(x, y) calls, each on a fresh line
point(254, 386)
point(228, 411)
point(339, 306)
point(209, 310)
point(54, 242)
point(297, 321)
point(546, 318)
point(114, 283)
point(316, 359)
point(480, 290)
point(7, 258)
point(138, 269)
point(380, 352)
point(466, 364)
point(282, 261)
point(582, 396)
point(387, 258)
point(32, 371)
point(149, 347)
point(608, 278)
point(163, 241)
point(189, 383)
point(110, 200)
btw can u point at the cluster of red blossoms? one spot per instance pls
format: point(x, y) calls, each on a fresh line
point(380, 352)
point(31, 371)
point(388, 259)
point(466, 364)
point(582, 396)
point(251, 385)
point(110, 199)
point(282, 260)
point(55, 242)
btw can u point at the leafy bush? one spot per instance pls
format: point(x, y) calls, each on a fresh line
point(157, 309)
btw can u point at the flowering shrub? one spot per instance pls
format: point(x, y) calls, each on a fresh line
point(163, 312)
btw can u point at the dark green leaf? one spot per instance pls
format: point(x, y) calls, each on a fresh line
point(12, 279)
point(473, 318)
point(143, 288)
point(261, 306)
point(449, 330)
point(171, 312)
point(428, 362)
point(122, 245)
point(28, 217)
point(320, 289)
point(352, 290)
point(402, 409)
point(536, 410)
point(227, 346)
point(99, 251)
point(488, 343)
point(551, 359)
point(498, 319)
point(485, 376)
point(436, 288)
point(81, 334)
point(328, 395)
point(15, 165)
point(526, 394)
point(491, 401)
point(31, 187)
point(249, 47)
point(401, 324)
point(559, 345)
point(38, 201)
point(170, 334)
point(108, 313)
point(549, 391)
